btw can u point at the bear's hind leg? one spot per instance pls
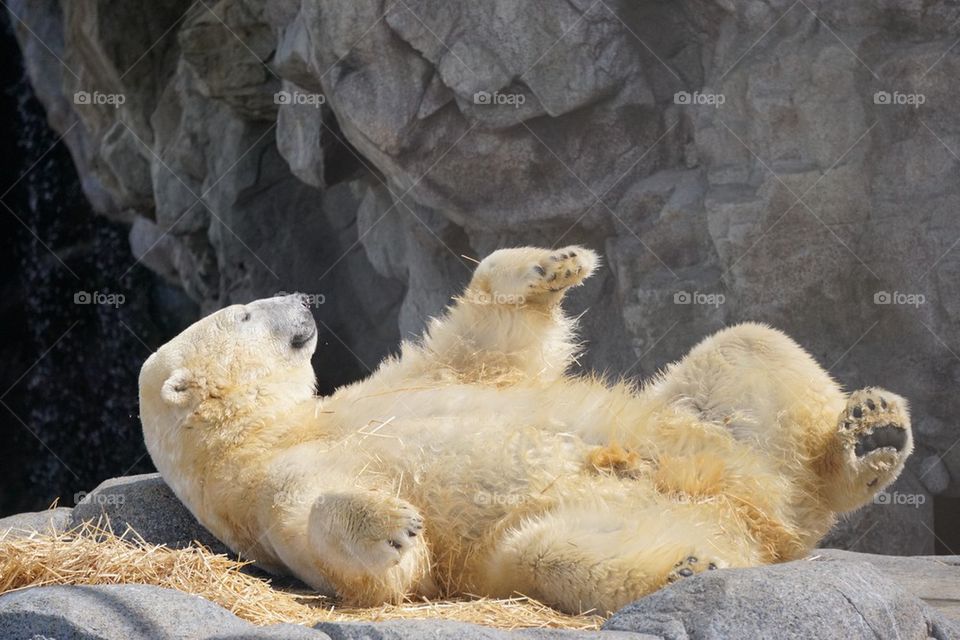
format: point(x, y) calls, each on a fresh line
point(581, 560)
point(867, 450)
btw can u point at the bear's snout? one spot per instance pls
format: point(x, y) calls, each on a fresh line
point(305, 331)
point(290, 319)
point(301, 325)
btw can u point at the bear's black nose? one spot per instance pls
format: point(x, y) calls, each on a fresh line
point(304, 328)
point(301, 338)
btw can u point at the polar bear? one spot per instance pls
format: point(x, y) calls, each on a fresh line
point(473, 462)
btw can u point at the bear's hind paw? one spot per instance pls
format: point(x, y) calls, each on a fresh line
point(875, 429)
point(689, 566)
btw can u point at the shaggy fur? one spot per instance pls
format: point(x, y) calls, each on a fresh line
point(472, 463)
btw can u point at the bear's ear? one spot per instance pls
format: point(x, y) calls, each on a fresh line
point(179, 387)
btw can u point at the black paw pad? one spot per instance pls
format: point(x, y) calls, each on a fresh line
point(886, 436)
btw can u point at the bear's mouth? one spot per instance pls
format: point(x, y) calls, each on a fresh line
point(300, 340)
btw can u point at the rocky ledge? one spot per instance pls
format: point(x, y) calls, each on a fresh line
point(832, 594)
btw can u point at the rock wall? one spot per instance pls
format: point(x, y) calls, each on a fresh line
point(792, 163)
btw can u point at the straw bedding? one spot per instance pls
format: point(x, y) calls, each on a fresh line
point(95, 555)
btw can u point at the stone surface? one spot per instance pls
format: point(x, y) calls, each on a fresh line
point(147, 505)
point(128, 612)
point(744, 153)
point(837, 595)
point(835, 599)
point(448, 630)
point(51, 521)
point(933, 579)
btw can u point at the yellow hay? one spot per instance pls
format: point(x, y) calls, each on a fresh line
point(95, 555)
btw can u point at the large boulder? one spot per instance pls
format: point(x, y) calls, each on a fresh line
point(773, 161)
point(804, 599)
point(147, 505)
point(933, 579)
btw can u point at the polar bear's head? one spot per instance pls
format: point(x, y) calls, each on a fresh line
point(239, 363)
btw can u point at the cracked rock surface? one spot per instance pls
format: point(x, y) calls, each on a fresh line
point(791, 163)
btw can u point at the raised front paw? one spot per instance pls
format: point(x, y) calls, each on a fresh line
point(875, 432)
point(690, 565)
point(558, 270)
point(530, 275)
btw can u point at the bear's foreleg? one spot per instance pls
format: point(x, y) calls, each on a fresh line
point(530, 276)
point(508, 324)
point(368, 545)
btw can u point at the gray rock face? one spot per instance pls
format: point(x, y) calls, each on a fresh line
point(147, 505)
point(129, 612)
point(52, 521)
point(934, 579)
point(836, 599)
point(783, 162)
